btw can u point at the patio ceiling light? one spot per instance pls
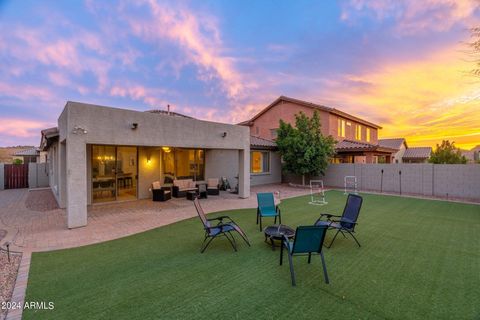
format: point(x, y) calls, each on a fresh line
point(166, 149)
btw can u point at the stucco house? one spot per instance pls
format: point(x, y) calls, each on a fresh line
point(472, 155)
point(100, 154)
point(31, 155)
point(417, 155)
point(357, 138)
point(398, 144)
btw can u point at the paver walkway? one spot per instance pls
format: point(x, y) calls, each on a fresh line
point(37, 228)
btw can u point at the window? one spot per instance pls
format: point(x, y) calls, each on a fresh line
point(358, 132)
point(341, 128)
point(368, 134)
point(260, 162)
point(273, 133)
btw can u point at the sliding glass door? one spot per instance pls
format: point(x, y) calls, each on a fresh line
point(126, 173)
point(183, 163)
point(114, 173)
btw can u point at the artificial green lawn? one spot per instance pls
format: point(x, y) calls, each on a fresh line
point(419, 259)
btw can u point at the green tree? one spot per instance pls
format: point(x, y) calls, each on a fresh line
point(17, 161)
point(304, 149)
point(447, 153)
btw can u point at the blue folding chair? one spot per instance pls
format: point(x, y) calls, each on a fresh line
point(347, 221)
point(308, 241)
point(267, 208)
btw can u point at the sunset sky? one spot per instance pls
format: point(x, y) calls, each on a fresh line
point(401, 64)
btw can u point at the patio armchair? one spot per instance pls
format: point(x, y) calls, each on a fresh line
point(213, 186)
point(308, 241)
point(345, 223)
point(182, 186)
point(267, 208)
point(223, 227)
point(160, 193)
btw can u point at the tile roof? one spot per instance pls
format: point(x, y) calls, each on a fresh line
point(310, 105)
point(28, 152)
point(354, 145)
point(391, 143)
point(417, 153)
point(262, 143)
point(351, 145)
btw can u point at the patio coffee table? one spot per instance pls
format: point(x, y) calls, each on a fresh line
point(191, 195)
point(276, 232)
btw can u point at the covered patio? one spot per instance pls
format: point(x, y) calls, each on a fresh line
point(39, 225)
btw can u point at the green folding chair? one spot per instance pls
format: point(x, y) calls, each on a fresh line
point(267, 208)
point(308, 241)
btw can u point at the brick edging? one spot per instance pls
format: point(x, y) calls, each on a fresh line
point(18, 295)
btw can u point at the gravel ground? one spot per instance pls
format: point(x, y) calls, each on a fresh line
point(8, 274)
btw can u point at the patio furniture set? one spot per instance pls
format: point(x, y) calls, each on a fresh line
point(185, 188)
point(305, 240)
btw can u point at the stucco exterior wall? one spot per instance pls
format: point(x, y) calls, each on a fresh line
point(112, 126)
point(38, 175)
point(147, 172)
point(398, 156)
point(222, 163)
point(286, 111)
point(2, 176)
point(275, 174)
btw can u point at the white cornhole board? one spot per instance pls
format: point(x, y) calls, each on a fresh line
point(317, 193)
point(350, 184)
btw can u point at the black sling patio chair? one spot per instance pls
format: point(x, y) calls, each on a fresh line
point(224, 227)
point(308, 241)
point(346, 222)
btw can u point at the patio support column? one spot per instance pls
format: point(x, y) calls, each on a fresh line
point(76, 183)
point(244, 173)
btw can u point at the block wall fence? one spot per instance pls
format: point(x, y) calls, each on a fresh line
point(448, 181)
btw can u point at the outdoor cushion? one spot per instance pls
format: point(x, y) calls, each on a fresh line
point(184, 184)
point(156, 185)
point(187, 189)
point(212, 183)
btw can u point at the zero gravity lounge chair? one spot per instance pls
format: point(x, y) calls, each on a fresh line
point(346, 222)
point(224, 227)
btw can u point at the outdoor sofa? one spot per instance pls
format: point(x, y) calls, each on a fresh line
point(182, 186)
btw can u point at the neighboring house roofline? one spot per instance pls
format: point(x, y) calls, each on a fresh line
point(27, 152)
point(48, 136)
point(309, 105)
point(395, 143)
point(261, 143)
point(417, 153)
point(351, 145)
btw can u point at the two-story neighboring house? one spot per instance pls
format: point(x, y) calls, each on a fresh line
point(357, 138)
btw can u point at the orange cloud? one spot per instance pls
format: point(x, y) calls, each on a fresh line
point(424, 101)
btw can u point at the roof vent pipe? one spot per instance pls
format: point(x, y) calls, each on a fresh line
point(168, 109)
